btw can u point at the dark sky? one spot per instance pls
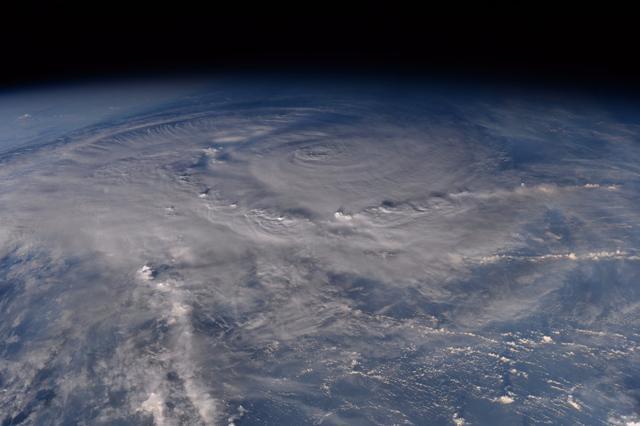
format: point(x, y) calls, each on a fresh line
point(63, 41)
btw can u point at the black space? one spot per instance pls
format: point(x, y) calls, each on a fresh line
point(66, 41)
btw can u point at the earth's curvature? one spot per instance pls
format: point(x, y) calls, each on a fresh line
point(252, 252)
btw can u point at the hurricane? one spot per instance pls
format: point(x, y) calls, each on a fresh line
point(249, 251)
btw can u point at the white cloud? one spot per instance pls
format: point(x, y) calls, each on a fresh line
point(505, 399)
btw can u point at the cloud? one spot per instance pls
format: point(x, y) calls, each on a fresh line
point(196, 288)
